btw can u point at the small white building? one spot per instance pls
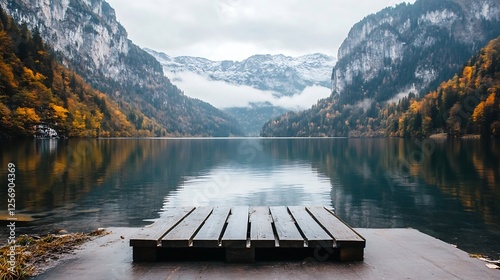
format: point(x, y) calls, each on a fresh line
point(45, 131)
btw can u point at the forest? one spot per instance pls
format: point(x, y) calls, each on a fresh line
point(466, 104)
point(36, 89)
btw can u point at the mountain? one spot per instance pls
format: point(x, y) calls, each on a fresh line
point(277, 76)
point(35, 90)
point(469, 103)
point(87, 38)
point(251, 118)
point(401, 50)
point(282, 74)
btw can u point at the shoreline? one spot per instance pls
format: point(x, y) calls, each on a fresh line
point(33, 254)
point(445, 136)
point(432, 136)
point(390, 253)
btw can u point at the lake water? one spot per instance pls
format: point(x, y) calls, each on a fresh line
point(448, 189)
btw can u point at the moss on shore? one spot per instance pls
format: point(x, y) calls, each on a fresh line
point(32, 253)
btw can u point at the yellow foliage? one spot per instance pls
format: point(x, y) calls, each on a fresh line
point(39, 77)
point(26, 114)
point(6, 75)
point(478, 114)
point(467, 74)
point(28, 74)
point(490, 101)
point(78, 120)
point(4, 115)
point(59, 112)
point(415, 106)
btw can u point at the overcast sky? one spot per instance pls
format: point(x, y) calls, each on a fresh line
point(237, 29)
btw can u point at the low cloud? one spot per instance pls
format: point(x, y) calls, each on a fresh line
point(364, 104)
point(402, 94)
point(224, 95)
point(308, 97)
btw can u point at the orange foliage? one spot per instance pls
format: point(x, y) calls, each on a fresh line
point(490, 101)
point(478, 114)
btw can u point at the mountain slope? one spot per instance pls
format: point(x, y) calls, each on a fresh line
point(35, 89)
point(388, 55)
point(87, 37)
point(282, 74)
point(467, 104)
point(412, 47)
point(278, 80)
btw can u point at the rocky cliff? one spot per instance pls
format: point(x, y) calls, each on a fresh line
point(412, 47)
point(401, 50)
point(87, 38)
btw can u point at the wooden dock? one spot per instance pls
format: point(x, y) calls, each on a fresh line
point(244, 234)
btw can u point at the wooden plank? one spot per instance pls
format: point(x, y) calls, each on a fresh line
point(235, 234)
point(150, 236)
point(261, 229)
point(338, 229)
point(211, 231)
point(288, 234)
point(181, 234)
point(314, 233)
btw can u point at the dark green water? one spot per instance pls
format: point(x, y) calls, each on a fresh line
point(448, 189)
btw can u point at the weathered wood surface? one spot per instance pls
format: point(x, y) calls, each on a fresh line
point(313, 232)
point(211, 231)
point(288, 234)
point(340, 231)
point(182, 234)
point(150, 236)
point(236, 231)
point(242, 230)
point(261, 228)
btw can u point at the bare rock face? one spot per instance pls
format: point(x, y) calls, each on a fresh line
point(411, 47)
point(87, 37)
point(398, 52)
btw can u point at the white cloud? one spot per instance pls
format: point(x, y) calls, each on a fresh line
point(402, 94)
point(237, 29)
point(223, 95)
point(308, 97)
point(365, 104)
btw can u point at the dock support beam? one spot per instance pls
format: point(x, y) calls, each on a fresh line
point(240, 255)
point(347, 254)
point(145, 254)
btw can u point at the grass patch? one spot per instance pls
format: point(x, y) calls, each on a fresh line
point(33, 252)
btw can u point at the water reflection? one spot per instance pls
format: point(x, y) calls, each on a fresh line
point(448, 189)
point(294, 184)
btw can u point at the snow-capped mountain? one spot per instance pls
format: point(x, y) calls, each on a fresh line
point(282, 74)
point(269, 85)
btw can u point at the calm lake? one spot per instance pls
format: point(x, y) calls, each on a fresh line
point(447, 189)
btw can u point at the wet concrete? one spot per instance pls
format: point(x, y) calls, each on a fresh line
point(389, 254)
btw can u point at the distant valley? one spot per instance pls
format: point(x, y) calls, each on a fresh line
point(253, 90)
